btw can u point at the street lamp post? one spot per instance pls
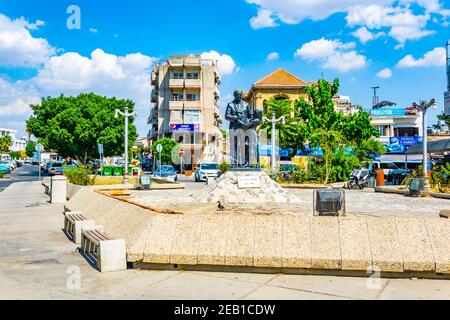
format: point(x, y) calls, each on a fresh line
point(423, 107)
point(274, 121)
point(126, 115)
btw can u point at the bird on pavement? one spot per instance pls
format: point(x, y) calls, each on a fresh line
point(220, 206)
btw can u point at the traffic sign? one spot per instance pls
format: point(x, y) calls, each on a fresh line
point(159, 147)
point(100, 148)
point(39, 147)
point(181, 152)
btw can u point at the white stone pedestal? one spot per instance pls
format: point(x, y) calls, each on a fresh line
point(58, 190)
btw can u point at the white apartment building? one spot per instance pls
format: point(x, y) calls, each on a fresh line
point(19, 144)
point(186, 104)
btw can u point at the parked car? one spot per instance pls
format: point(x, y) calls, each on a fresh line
point(46, 165)
point(167, 172)
point(11, 163)
point(56, 168)
point(392, 173)
point(4, 167)
point(207, 170)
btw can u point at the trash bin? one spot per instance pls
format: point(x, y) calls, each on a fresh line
point(379, 174)
point(107, 171)
point(135, 171)
point(118, 171)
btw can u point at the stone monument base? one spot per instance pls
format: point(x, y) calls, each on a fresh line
point(246, 186)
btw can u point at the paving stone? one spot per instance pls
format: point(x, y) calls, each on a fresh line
point(268, 241)
point(439, 233)
point(187, 237)
point(325, 250)
point(213, 240)
point(415, 245)
point(160, 238)
point(354, 240)
point(240, 241)
point(296, 242)
point(384, 245)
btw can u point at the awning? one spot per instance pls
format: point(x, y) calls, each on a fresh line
point(439, 146)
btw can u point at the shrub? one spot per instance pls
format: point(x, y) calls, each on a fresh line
point(224, 167)
point(1, 175)
point(80, 175)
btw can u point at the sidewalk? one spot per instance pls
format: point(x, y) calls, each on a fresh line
point(37, 261)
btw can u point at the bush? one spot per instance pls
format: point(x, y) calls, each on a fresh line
point(1, 175)
point(80, 175)
point(224, 167)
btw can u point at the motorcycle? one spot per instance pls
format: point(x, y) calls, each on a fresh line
point(359, 178)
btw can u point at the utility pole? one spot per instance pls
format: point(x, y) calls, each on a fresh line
point(423, 107)
point(375, 99)
point(274, 121)
point(126, 115)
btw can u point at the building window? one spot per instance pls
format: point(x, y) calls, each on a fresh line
point(406, 132)
point(177, 96)
point(383, 130)
point(192, 97)
point(176, 116)
point(192, 75)
point(191, 116)
point(177, 75)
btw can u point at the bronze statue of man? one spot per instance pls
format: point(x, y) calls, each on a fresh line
point(240, 114)
point(243, 137)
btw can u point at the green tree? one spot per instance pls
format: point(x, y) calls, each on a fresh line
point(329, 141)
point(74, 126)
point(5, 143)
point(30, 148)
point(169, 153)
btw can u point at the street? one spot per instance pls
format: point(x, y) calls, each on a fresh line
point(21, 174)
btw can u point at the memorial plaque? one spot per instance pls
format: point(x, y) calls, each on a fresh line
point(249, 182)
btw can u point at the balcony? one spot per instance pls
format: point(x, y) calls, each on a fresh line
point(176, 83)
point(192, 105)
point(193, 83)
point(154, 97)
point(176, 104)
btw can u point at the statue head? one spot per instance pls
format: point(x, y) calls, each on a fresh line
point(238, 94)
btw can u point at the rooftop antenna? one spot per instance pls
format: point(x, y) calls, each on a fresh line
point(375, 99)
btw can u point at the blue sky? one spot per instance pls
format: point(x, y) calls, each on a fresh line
point(401, 41)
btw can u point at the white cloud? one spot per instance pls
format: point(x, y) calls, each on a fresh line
point(18, 48)
point(433, 58)
point(398, 17)
point(386, 73)
point(264, 19)
point(225, 63)
point(333, 54)
point(93, 30)
point(273, 56)
point(365, 35)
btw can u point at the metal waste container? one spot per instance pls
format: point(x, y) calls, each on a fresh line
point(329, 202)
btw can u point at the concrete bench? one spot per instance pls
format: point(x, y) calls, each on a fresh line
point(110, 255)
point(74, 222)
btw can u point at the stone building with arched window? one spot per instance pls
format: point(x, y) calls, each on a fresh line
point(280, 85)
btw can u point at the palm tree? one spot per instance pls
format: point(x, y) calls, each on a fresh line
point(329, 141)
point(5, 143)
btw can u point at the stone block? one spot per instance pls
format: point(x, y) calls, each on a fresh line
point(268, 241)
point(296, 242)
point(325, 248)
point(58, 193)
point(160, 238)
point(135, 252)
point(187, 237)
point(384, 245)
point(79, 226)
point(240, 241)
point(213, 240)
point(415, 245)
point(112, 256)
point(439, 234)
point(354, 240)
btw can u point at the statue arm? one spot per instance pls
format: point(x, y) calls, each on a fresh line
point(229, 114)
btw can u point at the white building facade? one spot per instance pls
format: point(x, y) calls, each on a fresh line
point(18, 144)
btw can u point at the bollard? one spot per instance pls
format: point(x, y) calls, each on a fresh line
point(58, 190)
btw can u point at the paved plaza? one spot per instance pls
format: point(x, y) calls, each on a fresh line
point(37, 261)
